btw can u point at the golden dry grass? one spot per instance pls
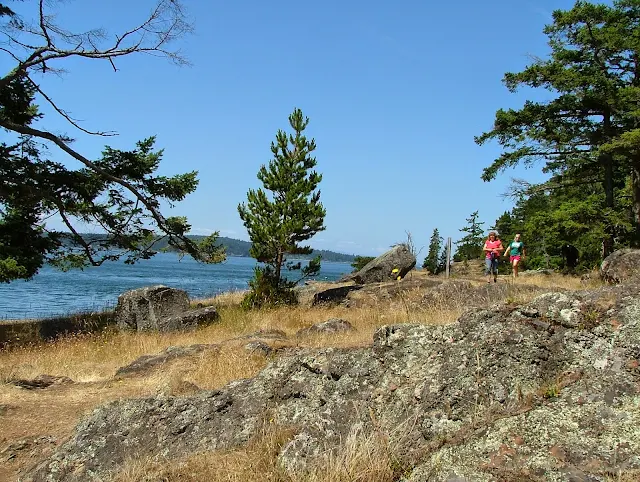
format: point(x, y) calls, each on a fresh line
point(362, 457)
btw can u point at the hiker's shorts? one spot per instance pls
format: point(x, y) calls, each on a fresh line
point(491, 266)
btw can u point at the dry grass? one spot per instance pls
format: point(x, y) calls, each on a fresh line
point(362, 457)
point(92, 358)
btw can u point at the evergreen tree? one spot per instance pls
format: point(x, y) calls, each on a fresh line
point(432, 260)
point(442, 261)
point(585, 133)
point(505, 226)
point(360, 262)
point(470, 246)
point(292, 214)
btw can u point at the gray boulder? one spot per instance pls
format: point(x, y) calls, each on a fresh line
point(188, 320)
point(143, 309)
point(41, 381)
point(621, 266)
point(547, 390)
point(145, 363)
point(332, 325)
point(334, 295)
point(383, 268)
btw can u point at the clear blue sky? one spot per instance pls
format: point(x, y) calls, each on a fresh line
point(395, 92)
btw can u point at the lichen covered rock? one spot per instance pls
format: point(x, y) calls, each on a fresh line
point(621, 266)
point(392, 265)
point(144, 309)
point(548, 390)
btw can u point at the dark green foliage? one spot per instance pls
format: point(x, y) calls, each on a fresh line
point(290, 215)
point(360, 262)
point(470, 245)
point(120, 193)
point(433, 260)
point(587, 135)
point(266, 290)
point(442, 260)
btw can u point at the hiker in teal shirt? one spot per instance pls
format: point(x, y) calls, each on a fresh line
point(516, 248)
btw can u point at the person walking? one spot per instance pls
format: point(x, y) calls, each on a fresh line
point(518, 253)
point(492, 248)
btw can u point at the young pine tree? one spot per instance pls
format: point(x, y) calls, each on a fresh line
point(290, 215)
point(432, 260)
point(470, 246)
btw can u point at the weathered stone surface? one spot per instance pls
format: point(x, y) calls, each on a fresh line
point(332, 325)
point(350, 295)
point(621, 266)
point(42, 381)
point(382, 268)
point(268, 334)
point(148, 362)
point(549, 390)
point(334, 295)
point(259, 348)
point(142, 309)
point(188, 320)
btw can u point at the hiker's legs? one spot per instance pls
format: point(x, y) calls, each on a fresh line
point(494, 267)
point(516, 262)
point(487, 268)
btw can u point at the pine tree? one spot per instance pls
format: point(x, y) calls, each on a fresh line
point(470, 246)
point(432, 260)
point(292, 214)
point(588, 133)
point(442, 261)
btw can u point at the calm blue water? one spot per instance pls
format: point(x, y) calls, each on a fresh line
point(53, 292)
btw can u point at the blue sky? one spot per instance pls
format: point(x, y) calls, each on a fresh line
point(395, 93)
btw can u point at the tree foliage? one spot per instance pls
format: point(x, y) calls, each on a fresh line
point(119, 193)
point(291, 214)
point(587, 135)
point(360, 262)
point(433, 260)
point(470, 245)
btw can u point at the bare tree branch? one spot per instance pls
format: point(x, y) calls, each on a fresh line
point(166, 22)
point(148, 203)
point(77, 237)
point(520, 187)
point(66, 115)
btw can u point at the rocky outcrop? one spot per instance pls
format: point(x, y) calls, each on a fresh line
point(142, 309)
point(188, 320)
point(334, 294)
point(145, 363)
point(621, 266)
point(548, 390)
point(350, 294)
point(41, 381)
point(332, 325)
point(393, 264)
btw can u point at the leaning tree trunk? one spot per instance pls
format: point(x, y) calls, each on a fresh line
point(606, 161)
point(635, 190)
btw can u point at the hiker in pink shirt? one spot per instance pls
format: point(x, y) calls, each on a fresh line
point(492, 248)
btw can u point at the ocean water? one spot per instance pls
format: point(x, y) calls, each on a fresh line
point(53, 292)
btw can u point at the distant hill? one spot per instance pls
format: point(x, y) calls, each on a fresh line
point(237, 247)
